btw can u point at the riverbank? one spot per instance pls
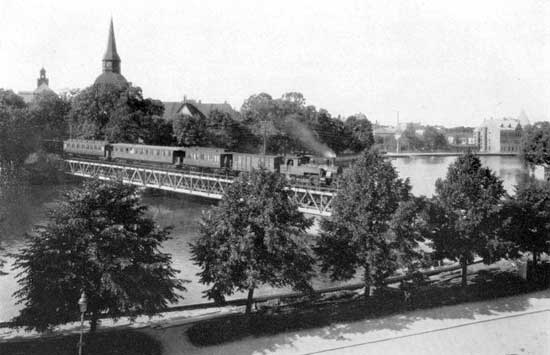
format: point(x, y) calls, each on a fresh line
point(211, 330)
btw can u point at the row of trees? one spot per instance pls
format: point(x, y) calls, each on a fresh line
point(376, 226)
point(124, 115)
point(101, 241)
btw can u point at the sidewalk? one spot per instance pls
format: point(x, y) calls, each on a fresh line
point(512, 325)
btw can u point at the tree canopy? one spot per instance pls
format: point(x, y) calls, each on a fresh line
point(17, 141)
point(117, 114)
point(371, 223)
point(293, 126)
point(100, 241)
point(465, 213)
point(48, 115)
point(255, 236)
point(526, 217)
point(535, 144)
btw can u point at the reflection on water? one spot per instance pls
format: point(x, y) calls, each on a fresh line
point(424, 171)
point(183, 213)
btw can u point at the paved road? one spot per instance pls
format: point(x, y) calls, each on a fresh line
point(506, 326)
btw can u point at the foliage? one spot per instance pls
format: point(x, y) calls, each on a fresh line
point(464, 215)
point(101, 242)
point(409, 140)
point(434, 139)
point(122, 342)
point(257, 108)
point(91, 110)
point(535, 144)
point(48, 115)
point(291, 126)
point(118, 114)
point(190, 131)
point(225, 132)
point(526, 217)
point(361, 132)
point(254, 237)
point(372, 223)
point(17, 140)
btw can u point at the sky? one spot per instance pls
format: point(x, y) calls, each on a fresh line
point(450, 63)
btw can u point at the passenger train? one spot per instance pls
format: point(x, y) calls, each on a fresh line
point(299, 168)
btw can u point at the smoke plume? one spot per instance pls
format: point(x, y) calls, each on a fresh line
point(301, 132)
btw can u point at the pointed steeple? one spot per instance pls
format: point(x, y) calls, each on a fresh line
point(111, 60)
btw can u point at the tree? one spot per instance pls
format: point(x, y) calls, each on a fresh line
point(331, 131)
point(359, 128)
point(117, 114)
point(48, 115)
point(190, 131)
point(18, 138)
point(99, 241)
point(257, 108)
point(535, 144)
point(224, 132)
point(410, 140)
point(434, 140)
point(91, 110)
point(366, 227)
point(526, 217)
point(465, 213)
point(255, 236)
point(10, 99)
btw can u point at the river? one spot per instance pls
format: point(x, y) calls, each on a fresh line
point(183, 213)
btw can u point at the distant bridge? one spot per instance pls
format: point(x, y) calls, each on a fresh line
point(311, 199)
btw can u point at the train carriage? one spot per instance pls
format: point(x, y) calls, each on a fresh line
point(247, 162)
point(213, 158)
point(85, 147)
point(148, 153)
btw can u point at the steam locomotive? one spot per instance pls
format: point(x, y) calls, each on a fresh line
point(298, 168)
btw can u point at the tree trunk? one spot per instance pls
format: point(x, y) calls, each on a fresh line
point(534, 258)
point(464, 264)
point(367, 283)
point(249, 300)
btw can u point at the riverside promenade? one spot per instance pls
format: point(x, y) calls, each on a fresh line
point(504, 326)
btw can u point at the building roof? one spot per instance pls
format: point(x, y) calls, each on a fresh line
point(192, 107)
point(111, 53)
point(110, 78)
point(501, 123)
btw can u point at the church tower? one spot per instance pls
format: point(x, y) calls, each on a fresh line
point(111, 64)
point(111, 60)
point(42, 79)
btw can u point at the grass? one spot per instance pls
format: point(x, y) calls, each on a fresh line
point(322, 312)
point(109, 342)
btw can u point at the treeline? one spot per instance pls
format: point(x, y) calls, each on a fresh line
point(414, 139)
point(117, 114)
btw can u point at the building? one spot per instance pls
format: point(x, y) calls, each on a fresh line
point(42, 86)
point(189, 107)
point(501, 135)
point(111, 64)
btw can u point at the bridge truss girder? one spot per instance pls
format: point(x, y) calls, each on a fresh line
point(309, 199)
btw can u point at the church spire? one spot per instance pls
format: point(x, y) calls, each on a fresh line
point(111, 60)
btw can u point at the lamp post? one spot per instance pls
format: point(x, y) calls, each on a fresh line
point(83, 304)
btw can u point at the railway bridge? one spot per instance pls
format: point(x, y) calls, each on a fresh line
point(313, 200)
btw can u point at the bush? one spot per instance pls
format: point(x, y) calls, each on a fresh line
point(112, 343)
